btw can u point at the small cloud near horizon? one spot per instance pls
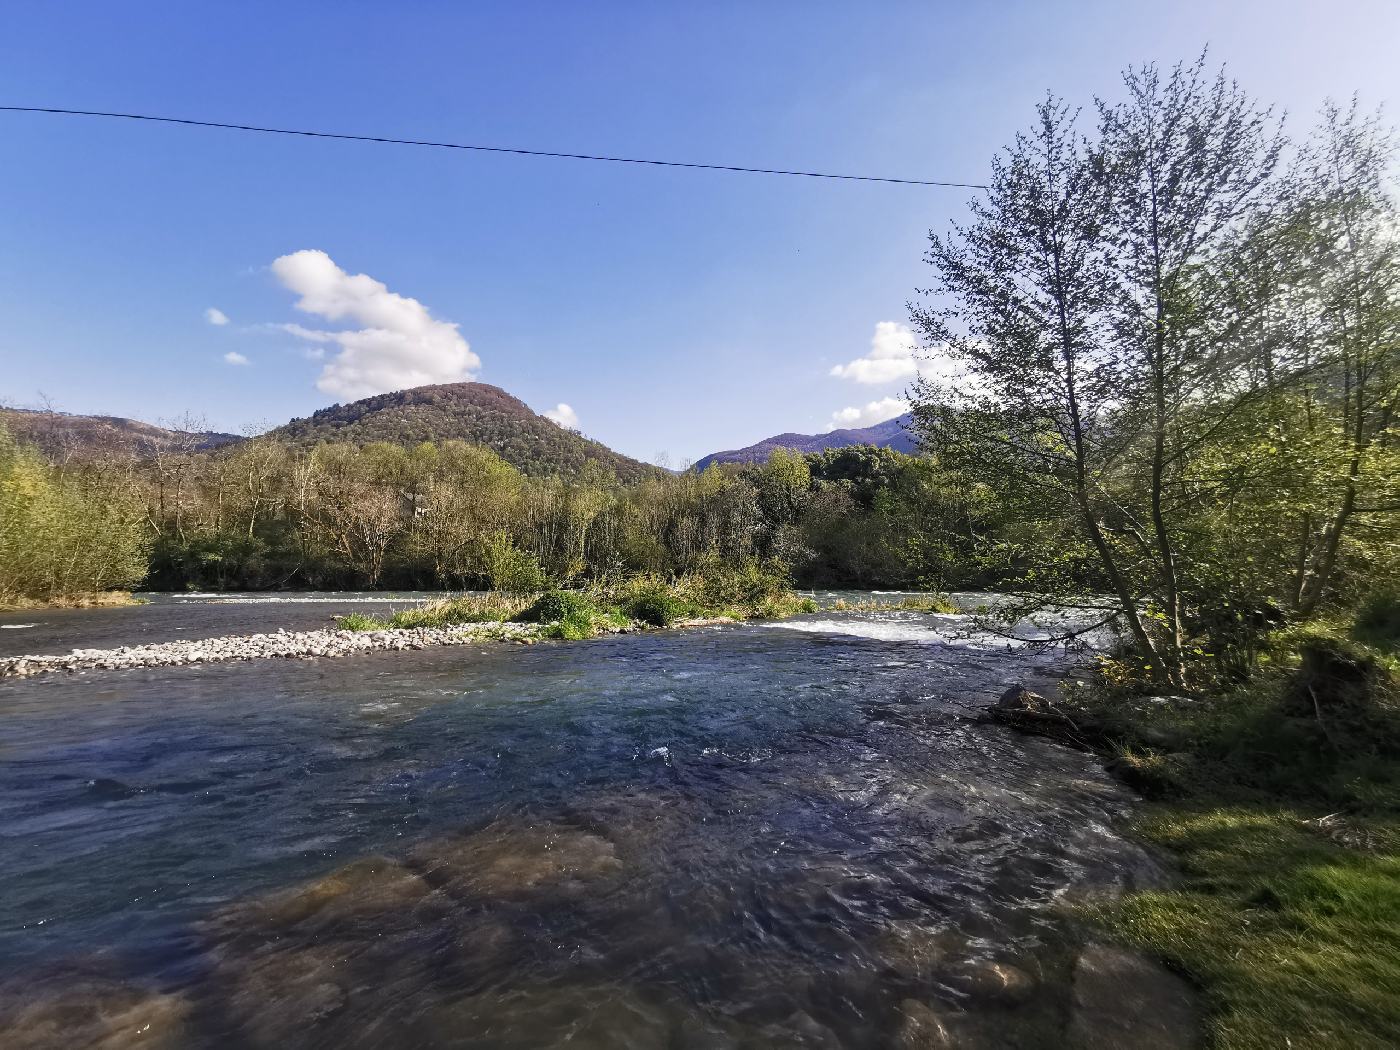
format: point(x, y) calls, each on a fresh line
point(857, 416)
point(233, 357)
point(215, 316)
point(400, 345)
point(891, 356)
point(562, 414)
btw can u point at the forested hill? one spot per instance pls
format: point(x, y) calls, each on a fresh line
point(61, 436)
point(476, 413)
point(892, 433)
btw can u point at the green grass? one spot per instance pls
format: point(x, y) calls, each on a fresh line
point(1293, 933)
point(648, 601)
point(494, 607)
point(1280, 804)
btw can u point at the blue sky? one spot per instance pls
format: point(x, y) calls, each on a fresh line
point(674, 311)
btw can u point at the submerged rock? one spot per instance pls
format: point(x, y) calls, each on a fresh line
point(918, 953)
point(514, 861)
point(367, 889)
point(992, 982)
point(1122, 999)
point(95, 1014)
point(282, 996)
point(921, 1028)
point(580, 1017)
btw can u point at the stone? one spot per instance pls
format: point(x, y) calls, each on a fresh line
point(1122, 999)
point(1019, 698)
point(95, 1014)
point(921, 1028)
point(991, 982)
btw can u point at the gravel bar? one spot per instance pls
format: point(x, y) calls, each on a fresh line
point(284, 644)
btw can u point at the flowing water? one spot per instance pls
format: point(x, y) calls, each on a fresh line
point(740, 836)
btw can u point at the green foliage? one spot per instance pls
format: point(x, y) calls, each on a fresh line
point(575, 626)
point(360, 622)
point(654, 604)
point(554, 606)
point(508, 567)
point(472, 413)
point(63, 535)
point(494, 607)
point(1378, 619)
point(1284, 818)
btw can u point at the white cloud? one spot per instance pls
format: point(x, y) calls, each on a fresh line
point(891, 356)
point(868, 415)
point(233, 357)
point(215, 316)
point(400, 344)
point(565, 416)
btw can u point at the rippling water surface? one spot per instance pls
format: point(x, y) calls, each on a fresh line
point(747, 836)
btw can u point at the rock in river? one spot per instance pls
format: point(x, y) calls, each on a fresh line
point(1122, 999)
point(506, 861)
point(95, 1014)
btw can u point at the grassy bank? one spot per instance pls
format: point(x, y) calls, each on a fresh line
point(1279, 802)
point(640, 602)
point(77, 600)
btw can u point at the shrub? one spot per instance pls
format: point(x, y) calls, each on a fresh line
point(657, 607)
point(574, 626)
point(555, 606)
point(1378, 619)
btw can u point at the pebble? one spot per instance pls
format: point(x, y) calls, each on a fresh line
point(283, 644)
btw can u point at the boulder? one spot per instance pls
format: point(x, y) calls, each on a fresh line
point(1019, 698)
point(1122, 999)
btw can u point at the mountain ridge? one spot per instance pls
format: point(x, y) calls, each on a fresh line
point(893, 433)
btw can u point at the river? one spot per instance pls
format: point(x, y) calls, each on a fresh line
point(758, 835)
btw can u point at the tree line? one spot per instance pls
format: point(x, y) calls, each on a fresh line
point(268, 514)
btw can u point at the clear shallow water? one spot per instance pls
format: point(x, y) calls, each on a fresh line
point(764, 835)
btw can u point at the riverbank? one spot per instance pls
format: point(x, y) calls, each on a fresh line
point(1279, 803)
point(80, 600)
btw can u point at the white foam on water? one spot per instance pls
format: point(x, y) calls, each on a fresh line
point(956, 631)
point(16, 626)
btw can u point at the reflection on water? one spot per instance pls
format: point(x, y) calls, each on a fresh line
point(735, 837)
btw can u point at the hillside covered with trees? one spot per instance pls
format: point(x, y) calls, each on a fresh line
point(475, 413)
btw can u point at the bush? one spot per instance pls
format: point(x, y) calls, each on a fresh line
point(574, 626)
point(1378, 619)
point(555, 606)
point(656, 607)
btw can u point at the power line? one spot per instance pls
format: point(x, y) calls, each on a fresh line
point(484, 149)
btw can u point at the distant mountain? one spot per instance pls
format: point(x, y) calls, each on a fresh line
point(472, 412)
point(893, 433)
point(60, 435)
